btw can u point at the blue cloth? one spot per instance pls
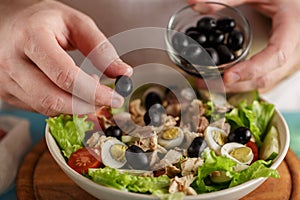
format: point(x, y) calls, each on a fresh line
point(37, 131)
point(293, 121)
point(37, 128)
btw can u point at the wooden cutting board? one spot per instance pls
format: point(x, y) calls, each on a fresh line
point(40, 178)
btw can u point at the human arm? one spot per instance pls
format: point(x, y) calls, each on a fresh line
point(37, 74)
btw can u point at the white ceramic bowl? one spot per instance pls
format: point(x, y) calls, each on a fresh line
point(106, 193)
point(147, 74)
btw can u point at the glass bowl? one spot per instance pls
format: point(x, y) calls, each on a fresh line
point(188, 17)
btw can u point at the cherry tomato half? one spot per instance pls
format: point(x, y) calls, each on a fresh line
point(105, 117)
point(105, 111)
point(83, 159)
point(254, 149)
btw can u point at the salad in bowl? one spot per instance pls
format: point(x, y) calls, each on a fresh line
point(171, 144)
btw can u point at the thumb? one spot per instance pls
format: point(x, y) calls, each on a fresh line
point(227, 2)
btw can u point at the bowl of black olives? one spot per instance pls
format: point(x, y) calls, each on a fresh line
point(204, 39)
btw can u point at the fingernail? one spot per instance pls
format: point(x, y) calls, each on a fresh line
point(232, 77)
point(129, 71)
point(117, 100)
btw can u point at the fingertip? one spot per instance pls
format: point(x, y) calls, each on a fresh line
point(129, 71)
point(117, 100)
point(192, 1)
point(118, 67)
point(106, 96)
point(235, 73)
point(231, 77)
point(125, 69)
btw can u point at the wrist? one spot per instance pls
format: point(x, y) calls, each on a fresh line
point(7, 7)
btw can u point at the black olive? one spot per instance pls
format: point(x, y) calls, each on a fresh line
point(235, 40)
point(240, 135)
point(170, 96)
point(123, 85)
point(192, 32)
point(196, 148)
point(215, 38)
point(147, 118)
point(136, 157)
point(192, 53)
point(214, 55)
point(220, 38)
point(195, 54)
point(226, 24)
point(151, 99)
point(114, 131)
point(193, 37)
point(154, 116)
point(201, 39)
point(179, 41)
point(225, 55)
point(187, 94)
point(206, 23)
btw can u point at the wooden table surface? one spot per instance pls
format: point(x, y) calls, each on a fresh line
point(40, 178)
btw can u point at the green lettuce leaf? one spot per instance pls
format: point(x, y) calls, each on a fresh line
point(212, 163)
point(69, 132)
point(211, 112)
point(264, 112)
point(256, 116)
point(255, 170)
point(127, 182)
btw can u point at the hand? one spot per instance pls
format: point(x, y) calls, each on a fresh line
point(37, 74)
point(279, 59)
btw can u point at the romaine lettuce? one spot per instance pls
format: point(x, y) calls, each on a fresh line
point(69, 131)
point(256, 116)
point(256, 170)
point(212, 163)
point(127, 182)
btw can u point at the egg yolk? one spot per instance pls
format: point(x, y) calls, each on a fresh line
point(170, 134)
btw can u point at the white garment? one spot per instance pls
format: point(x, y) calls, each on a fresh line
point(286, 95)
point(116, 16)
